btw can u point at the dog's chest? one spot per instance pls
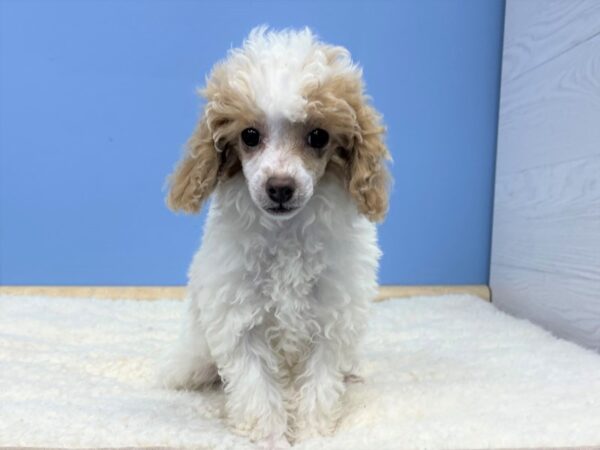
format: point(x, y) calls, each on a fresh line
point(289, 268)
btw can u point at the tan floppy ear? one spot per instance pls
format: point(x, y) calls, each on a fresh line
point(196, 175)
point(368, 176)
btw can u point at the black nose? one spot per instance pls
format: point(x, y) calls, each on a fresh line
point(280, 189)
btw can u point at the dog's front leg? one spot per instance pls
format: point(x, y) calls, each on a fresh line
point(320, 387)
point(255, 404)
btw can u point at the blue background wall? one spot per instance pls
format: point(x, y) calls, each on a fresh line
point(97, 98)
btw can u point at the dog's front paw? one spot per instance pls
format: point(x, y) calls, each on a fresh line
point(267, 430)
point(273, 443)
point(319, 407)
point(316, 422)
point(316, 427)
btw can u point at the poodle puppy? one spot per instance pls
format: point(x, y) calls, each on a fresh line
point(293, 155)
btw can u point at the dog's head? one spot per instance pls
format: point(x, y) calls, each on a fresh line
point(283, 109)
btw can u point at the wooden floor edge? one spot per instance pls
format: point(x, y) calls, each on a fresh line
point(178, 292)
point(397, 291)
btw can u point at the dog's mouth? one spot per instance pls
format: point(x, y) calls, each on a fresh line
point(281, 210)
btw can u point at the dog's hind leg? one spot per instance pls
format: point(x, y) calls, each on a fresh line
point(189, 365)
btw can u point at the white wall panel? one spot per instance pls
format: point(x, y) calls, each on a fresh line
point(546, 237)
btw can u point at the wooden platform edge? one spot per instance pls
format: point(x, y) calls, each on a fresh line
point(178, 292)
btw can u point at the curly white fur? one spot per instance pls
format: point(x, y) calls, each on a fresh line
point(276, 306)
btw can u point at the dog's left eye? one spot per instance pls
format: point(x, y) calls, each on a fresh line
point(317, 138)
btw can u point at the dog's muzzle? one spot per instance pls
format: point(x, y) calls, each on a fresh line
point(280, 191)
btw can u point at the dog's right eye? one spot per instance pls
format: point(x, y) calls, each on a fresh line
point(251, 137)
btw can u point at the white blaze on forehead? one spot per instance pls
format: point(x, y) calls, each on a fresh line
point(278, 158)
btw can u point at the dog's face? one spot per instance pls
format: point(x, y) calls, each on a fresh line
point(283, 110)
point(282, 162)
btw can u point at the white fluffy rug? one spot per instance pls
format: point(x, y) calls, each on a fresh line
point(440, 372)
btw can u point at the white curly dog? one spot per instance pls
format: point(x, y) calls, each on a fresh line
point(279, 291)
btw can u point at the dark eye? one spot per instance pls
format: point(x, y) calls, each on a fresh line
point(317, 138)
point(251, 137)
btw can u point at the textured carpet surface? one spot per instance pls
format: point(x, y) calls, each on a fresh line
point(440, 372)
